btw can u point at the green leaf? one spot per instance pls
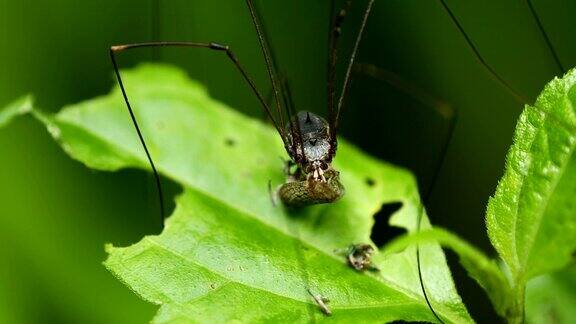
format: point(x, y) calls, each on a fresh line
point(531, 219)
point(227, 253)
point(16, 108)
point(479, 266)
point(551, 298)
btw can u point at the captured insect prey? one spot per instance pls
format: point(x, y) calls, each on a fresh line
point(359, 256)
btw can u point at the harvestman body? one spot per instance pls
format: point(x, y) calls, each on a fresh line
point(314, 181)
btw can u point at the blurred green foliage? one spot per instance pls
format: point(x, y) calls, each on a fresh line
point(551, 298)
point(55, 214)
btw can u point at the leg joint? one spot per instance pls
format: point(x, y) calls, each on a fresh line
point(117, 48)
point(220, 47)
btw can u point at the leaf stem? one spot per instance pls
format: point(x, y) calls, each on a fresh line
point(515, 314)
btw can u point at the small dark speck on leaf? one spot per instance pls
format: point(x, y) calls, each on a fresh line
point(230, 142)
point(212, 286)
point(370, 182)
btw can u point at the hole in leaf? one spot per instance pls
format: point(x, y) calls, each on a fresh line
point(370, 182)
point(382, 232)
point(230, 142)
point(139, 204)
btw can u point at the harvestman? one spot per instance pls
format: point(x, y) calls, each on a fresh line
point(310, 140)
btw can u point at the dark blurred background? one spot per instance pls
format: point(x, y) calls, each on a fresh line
point(56, 215)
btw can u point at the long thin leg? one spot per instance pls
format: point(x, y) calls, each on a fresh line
point(333, 38)
point(519, 97)
point(142, 141)
point(286, 95)
point(268, 60)
point(295, 133)
point(516, 95)
point(211, 46)
point(441, 108)
point(348, 75)
point(272, 68)
point(545, 35)
point(275, 73)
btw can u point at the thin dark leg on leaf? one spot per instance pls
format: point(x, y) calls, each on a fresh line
point(441, 108)
point(212, 46)
point(545, 35)
point(426, 199)
point(141, 138)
